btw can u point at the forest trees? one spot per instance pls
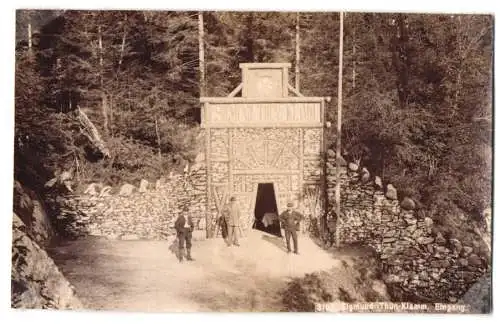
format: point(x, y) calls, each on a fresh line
point(417, 89)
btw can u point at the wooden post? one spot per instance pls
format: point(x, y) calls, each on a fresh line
point(297, 53)
point(339, 129)
point(30, 41)
point(201, 38)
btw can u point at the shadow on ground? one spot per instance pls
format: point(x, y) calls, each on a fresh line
point(279, 242)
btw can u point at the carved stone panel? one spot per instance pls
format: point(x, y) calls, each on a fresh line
point(219, 145)
point(267, 148)
point(292, 113)
point(312, 141)
point(219, 172)
point(312, 170)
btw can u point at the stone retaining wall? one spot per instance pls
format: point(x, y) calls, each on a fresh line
point(417, 260)
point(144, 212)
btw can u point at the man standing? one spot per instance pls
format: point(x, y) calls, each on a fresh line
point(232, 214)
point(290, 222)
point(184, 227)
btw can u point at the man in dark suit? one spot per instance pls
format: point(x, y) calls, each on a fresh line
point(290, 222)
point(184, 227)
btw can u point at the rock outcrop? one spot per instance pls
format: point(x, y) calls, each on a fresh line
point(36, 281)
point(30, 209)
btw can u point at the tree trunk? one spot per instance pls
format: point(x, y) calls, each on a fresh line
point(354, 57)
point(400, 59)
point(297, 53)
point(122, 48)
point(201, 39)
point(104, 104)
point(158, 138)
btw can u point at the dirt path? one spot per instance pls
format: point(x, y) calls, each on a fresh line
point(146, 276)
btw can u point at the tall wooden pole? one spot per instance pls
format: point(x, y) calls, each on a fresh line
point(339, 129)
point(30, 42)
point(297, 53)
point(201, 38)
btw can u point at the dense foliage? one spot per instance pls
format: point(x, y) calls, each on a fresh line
point(417, 92)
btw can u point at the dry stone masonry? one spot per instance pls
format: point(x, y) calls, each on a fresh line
point(144, 212)
point(418, 262)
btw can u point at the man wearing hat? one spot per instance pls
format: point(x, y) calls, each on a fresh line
point(184, 226)
point(290, 222)
point(232, 215)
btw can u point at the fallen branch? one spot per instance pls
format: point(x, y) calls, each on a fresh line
point(90, 131)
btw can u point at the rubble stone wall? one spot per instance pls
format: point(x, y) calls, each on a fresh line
point(417, 260)
point(146, 211)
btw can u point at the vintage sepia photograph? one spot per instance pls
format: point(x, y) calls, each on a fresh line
point(253, 161)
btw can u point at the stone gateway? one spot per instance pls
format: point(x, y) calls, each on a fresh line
point(265, 137)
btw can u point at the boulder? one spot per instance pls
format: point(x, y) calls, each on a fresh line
point(353, 166)
point(392, 278)
point(390, 233)
point(408, 204)
point(92, 189)
point(391, 192)
point(411, 228)
point(467, 250)
point(378, 183)
point(365, 175)
point(456, 244)
point(424, 275)
point(425, 240)
point(105, 192)
point(410, 221)
point(440, 263)
point(127, 189)
point(440, 240)
point(389, 239)
point(428, 221)
point(331, 154)
point(474, 260)
point(143, 186)
point(441, 249)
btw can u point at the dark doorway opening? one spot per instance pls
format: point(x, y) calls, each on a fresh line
point(266, 210)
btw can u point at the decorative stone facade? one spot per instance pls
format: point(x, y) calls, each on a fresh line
point(261, 155)
point(265, 136)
